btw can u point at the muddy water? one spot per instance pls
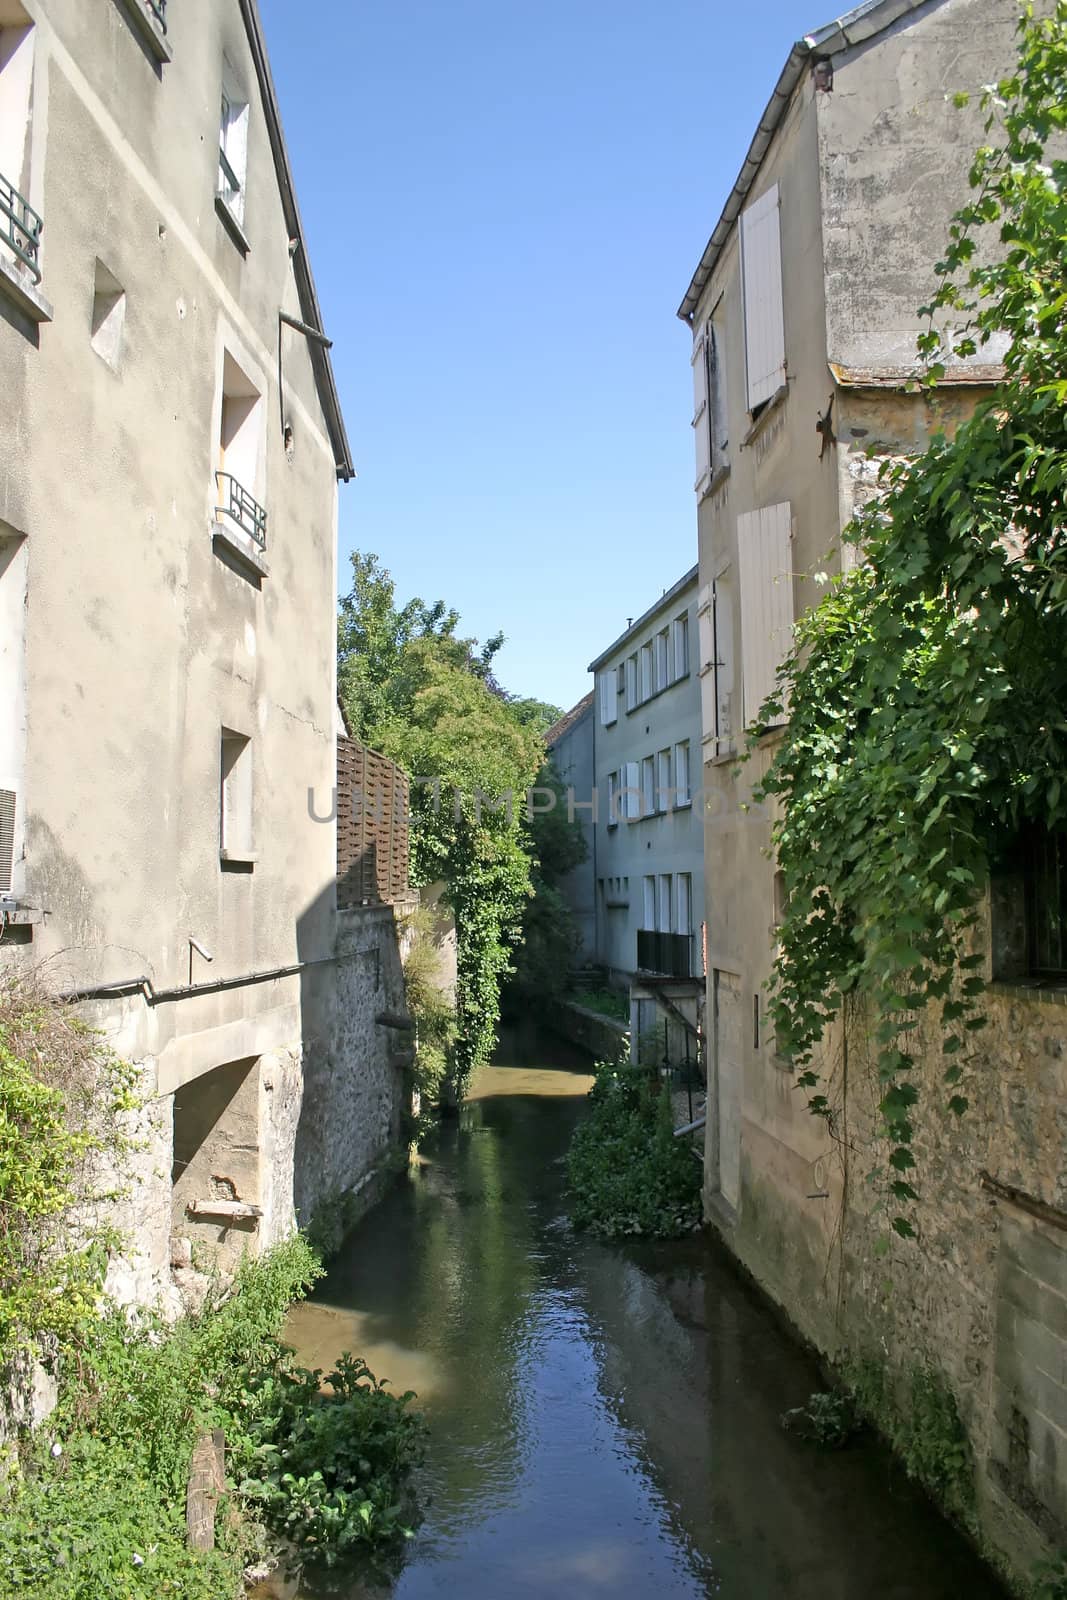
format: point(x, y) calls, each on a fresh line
point(604, 1421)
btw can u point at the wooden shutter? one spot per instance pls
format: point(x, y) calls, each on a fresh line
point(8, 803)
point(764, 556)
point(701, 412)
point(761, 268)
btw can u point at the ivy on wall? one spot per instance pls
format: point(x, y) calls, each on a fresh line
point(927, 691)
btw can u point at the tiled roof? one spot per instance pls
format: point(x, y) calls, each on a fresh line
point(569, 720)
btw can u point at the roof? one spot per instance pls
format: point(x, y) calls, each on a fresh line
point(305, 284)
point(684, 582)
point(569, 720)
point(855, 27)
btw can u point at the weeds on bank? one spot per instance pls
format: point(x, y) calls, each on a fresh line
point(626, 1172)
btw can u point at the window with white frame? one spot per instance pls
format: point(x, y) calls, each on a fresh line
point(631, 791)
point(761, 275)
point(664, 793)
point(663, 909)
point(648, 918)
point(682, 796)
point(765, 571)
point(631, 682)
point(613, 799)
point(233, 146)
point(663, 653)
point(680, 641)
point(241, 472)
point(648, 786)
point(645, 683)
point(609, 697)
point(683, 903)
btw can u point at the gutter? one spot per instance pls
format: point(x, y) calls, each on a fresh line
point(144, 986)
point(318, 344)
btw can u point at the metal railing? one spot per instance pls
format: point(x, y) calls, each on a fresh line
point(669, 954)
point(240, 507)
point(158, 8)
point(20, 227)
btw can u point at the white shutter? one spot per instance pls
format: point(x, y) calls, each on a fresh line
point(701, 412)
point(631, 782)
point(631, 682)
point(680, 636)
point(664, 798)
point(648, 786)
point(646, 672)
point(761, 268)
point(664, 918)
point(683, 908)
point(613, 800)
point(764, 558)
point(649, 921)
point(682, 797)
point(8, 806)
point(609, 699)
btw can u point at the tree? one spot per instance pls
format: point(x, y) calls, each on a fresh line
point(550, 938)
point(926, 692)
point(414, 690)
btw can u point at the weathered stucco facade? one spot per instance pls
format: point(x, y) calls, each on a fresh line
point(801, 356)
point(168, 512)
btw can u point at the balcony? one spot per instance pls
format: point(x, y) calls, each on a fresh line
point(241, 523)
point(667, 954)
point(20, 233)
point(158, 8)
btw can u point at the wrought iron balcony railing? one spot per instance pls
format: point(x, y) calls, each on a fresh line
point(158, 9)
point(669, 954)
point(240, 507)
point(20, 227)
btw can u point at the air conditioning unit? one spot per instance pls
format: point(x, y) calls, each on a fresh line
point(7, 838)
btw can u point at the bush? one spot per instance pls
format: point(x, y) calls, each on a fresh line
point(828, 1418)
point(97, 1506)
point(626, 1172)
point(916, 1412)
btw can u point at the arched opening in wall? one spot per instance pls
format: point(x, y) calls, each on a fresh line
point(215, 1178)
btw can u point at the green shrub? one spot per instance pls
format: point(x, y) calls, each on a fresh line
point(828, 1418)
point(626, 1172)
point(916, 1412)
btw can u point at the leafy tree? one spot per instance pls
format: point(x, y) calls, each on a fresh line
point(414, 690)
point(926, 691)
point(550, 937)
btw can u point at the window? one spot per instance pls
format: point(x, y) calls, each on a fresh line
point(718, 412)
point(649, 918)
point(680, 634)
point(663, 654)
point(761, 273)
point(613, 799)
point(682, 796)
point(609, 698)
point(235, 799)
point(648, 787)
point(663, 913)
point(20, 225)
point(631, 682)
point(109, 315)
point(631, 793)
point(240, 455)
point(764, 553)
point(683, 912)
point(1029, 906)
point(233, 148)
point(663, 780)
point(646, 672)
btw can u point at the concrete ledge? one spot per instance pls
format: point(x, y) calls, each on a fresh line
point(148, 30)
point(239, 544)
point(19, 287)
point(604, 1037)
point(232, 226)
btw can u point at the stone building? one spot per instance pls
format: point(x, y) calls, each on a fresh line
point(804, 322)
point(172, 445)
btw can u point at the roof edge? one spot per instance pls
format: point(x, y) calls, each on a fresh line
point(687, 578)
point(321, 364)
point(853, 28)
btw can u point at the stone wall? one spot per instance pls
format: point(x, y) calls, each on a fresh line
point(603, 1037)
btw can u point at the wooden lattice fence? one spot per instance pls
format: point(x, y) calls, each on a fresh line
point(373, 797)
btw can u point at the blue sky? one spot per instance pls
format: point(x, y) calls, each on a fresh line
point(504, 203)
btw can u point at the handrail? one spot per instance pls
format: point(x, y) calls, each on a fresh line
point(23, 230)
point(241, 508)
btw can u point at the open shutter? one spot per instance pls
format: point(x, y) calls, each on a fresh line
point(649, 921)
point(701, 413)
point(764, 558)
point(609, 698)
point(683, 907)
point(8, 802)
point(761, 269)
point(631, 800)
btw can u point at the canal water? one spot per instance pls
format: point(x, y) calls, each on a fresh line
point(604, 1420)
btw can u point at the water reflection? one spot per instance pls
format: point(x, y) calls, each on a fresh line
point(603, 1421)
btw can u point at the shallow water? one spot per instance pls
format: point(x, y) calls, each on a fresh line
point(604, 1420)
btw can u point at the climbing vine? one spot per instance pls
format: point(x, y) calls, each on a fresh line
point(926, 692)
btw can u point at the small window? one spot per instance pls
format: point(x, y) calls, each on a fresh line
point(235, 799)
point(682, 796)
point(109, 315)
point(613, 799)
point(664, 795)
point(233, 147)
point(648, 787)
point(680, 632)
point(240, 454)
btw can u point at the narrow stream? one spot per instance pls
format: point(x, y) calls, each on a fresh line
point(604, 1420)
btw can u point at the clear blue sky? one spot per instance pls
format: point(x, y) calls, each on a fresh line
point(504, 204)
